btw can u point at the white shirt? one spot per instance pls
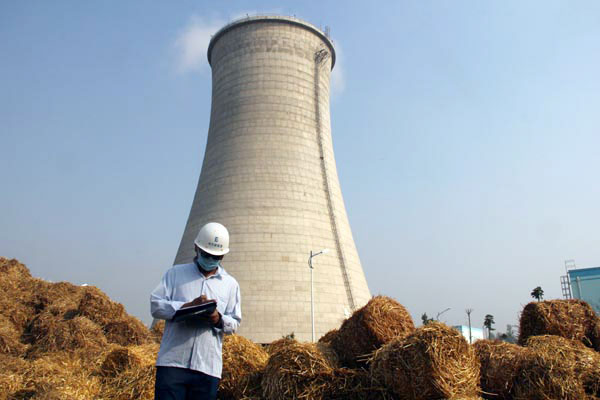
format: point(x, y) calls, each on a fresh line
point(193, 344)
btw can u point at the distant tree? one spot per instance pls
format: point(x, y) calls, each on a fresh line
point(488, 322)
point(537, 293)
point(426, 319)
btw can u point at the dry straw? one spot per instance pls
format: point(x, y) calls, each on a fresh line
point(61, 375)
point(434, 362)
point(571, 319)
point(580, 362)
point(279, 344)
point(157, 330)
point(377, 323)
point(550, 367)
point(501, 364)
point(298, 371)
point(353, 384)
point(59, 332)
point(10, 343)
point(130, 373)
point(48, 333)
point(329, 336)
point(243, 365)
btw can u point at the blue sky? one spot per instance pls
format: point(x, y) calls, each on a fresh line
point(466, 137)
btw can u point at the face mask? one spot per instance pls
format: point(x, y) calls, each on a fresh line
point(206, 263)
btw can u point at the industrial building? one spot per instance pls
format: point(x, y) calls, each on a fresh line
point(475, 333)
point(583, 284)
point(269, 175)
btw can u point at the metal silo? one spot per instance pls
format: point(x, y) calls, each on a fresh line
point(269, 176)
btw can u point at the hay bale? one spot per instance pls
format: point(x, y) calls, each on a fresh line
point(48, 333)
point(119, 360)
point(433, 362)
point(377, 323)
point(298, 371)
point(11, 270)
point(501, 364)
point(61, 375)
point(571, 319)
point(243, 365)
point(586, 361)
point(329, 336)
point(136, 380)
point(279, 344)
point(353, 384)
point(10, 343)
point(11, 375)
point(16, 290)
point(545, 376)
point(98, 307)
point(127, 331)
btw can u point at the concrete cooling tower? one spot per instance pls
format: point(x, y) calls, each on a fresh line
point(269, 176)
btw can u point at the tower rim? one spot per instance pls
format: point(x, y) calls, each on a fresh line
point(271, 18)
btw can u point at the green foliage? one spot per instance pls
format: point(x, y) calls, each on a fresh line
point(538, 293)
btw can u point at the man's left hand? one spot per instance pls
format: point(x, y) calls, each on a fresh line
point(214, 318)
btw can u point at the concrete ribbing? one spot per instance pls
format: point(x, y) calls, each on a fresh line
point(269, 176)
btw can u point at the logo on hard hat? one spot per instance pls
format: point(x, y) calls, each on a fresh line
point(216, 238)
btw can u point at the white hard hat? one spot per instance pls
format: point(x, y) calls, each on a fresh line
point(213, 238)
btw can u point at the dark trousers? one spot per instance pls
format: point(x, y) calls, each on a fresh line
point(184, 384)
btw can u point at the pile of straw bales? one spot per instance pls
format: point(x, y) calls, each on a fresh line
point(571, 319)
point(61, 341)
point(549, 367)
point(555, 357)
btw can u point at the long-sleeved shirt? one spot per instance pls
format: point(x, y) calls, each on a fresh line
point(195, 345)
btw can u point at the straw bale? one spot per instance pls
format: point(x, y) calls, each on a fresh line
point(118, 360)
point(377, 323)
point(60, 375)
point(98, 307)
point(571, 319)
point(11, 375)
point(586, 361)
point(10, 342)
point(13, 270)
point(501, 363)
point(433, 362)
point(243, 364)
point(16, 290)
point(136, 380)
point(279, 344)
point(298, 371)
point(353, 384)
point(545, 376)
point(127, 331)
point(329, 336)
point(48, 333)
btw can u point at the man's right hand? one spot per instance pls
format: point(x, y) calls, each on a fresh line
point(196, 302)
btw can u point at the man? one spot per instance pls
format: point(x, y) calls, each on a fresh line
point(190, 360)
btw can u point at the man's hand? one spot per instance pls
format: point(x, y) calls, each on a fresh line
point(196, 302)
point(215, 318)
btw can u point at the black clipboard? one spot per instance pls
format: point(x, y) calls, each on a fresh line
point(195, 312)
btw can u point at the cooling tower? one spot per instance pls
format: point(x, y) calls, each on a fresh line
point(269, 175)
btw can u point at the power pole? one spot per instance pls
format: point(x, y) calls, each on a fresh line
point(469, 311)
